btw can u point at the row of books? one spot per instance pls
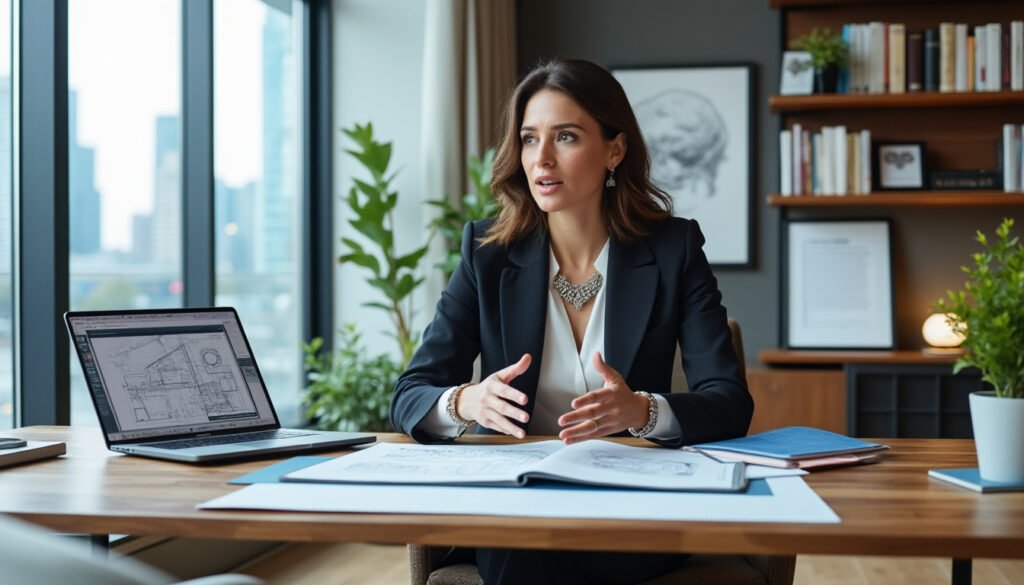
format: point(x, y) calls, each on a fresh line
point(831, 162)
point(886, 58)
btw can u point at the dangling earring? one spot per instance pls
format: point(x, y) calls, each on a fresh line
point(611, 178)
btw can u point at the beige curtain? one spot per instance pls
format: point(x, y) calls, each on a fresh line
point(469, 66)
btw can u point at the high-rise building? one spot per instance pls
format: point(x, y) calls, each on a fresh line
point(84, 199)
point(234, 217)
point(142, 238)
point(165, 223)
point(277, 199)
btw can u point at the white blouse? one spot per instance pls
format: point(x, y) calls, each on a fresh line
point(565, 373)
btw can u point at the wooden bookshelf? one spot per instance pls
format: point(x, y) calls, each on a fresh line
point(933, 231)
point(807, 103)
point(813, 3)
point(903, 199)
point(817, 357)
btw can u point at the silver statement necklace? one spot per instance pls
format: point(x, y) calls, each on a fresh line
point(578, 295)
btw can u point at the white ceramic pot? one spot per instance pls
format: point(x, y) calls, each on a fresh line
point(998, 436)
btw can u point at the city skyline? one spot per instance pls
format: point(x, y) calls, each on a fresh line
point(122, 93)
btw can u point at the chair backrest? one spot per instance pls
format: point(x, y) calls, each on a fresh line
point(32, 556)
point(679, 377)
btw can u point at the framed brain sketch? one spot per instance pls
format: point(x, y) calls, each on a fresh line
point(697, 122)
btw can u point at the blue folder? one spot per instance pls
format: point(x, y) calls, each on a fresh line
point(794, 443)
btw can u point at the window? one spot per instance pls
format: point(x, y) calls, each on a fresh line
point(124, 161)
point(258, 184)
point(6, 224)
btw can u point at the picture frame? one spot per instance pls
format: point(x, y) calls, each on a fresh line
point(797, 73)
point(698, 125)
point(837, 284)
point(899, 166)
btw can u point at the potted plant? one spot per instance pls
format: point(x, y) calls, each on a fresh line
point(479, 203)
point(828, 54)
point(990, 313)
point(349, 389)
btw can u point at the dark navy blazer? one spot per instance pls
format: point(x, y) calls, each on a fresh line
point(660, 292)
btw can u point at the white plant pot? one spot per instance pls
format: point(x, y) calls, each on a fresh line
point(998, 436)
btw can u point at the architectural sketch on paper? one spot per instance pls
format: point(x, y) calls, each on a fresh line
point(611, 461)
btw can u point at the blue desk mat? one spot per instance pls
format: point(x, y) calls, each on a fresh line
point(272, 474)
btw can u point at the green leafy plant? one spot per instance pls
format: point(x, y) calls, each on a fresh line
point(477, 204)
point(372, 204)
point(349, 390)
point(826, 48)
point(990, 312)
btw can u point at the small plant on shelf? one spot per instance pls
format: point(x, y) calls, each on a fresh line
point(828, 53)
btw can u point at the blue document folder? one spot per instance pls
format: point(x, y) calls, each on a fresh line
point(794, 443)
point(970, 478)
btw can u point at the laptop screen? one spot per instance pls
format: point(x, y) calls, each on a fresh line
point(164, 373)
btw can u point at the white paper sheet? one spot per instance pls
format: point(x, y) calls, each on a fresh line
point(792, 500)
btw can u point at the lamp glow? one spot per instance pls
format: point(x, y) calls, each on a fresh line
point(939, 333)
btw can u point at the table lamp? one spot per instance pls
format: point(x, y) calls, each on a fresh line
point(940, 336)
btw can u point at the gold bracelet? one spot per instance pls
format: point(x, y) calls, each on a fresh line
point(652, 416)
point(450, 407)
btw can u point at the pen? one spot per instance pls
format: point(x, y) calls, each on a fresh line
point(704, 453)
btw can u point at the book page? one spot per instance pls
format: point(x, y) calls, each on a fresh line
point(606, 463)
point(430, 464)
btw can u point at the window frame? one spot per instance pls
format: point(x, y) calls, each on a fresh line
point(40, 191)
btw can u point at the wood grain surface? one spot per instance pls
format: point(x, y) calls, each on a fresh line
point(889, 508)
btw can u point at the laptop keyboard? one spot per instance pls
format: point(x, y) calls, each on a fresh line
point(230, 439)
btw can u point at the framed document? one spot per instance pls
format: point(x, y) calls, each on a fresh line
point(797, 74)
point(837, 285)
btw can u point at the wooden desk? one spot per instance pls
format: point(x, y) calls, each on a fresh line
point(890, 508)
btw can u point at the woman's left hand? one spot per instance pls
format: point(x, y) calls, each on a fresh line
point(607, 411)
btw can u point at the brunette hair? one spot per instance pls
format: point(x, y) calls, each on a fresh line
point(630, 208)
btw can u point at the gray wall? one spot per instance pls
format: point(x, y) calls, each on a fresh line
point(679, 32)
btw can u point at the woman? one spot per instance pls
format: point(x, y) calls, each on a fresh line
point(575, 298)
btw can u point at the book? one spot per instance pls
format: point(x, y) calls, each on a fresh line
point(966, 180)
point(786, 162)
point(600, 463)
point(789, 445)
point(980, 51)
point(931, 59)
point(897, 58)
point(915, 61)
point(32, 451)
point(1010, 157)
point(970, 478)
point(1017, 55)
point(876, 57)
point(960, 56)
point(947, 57)
point(993, 56)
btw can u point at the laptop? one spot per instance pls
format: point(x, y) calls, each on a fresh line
point(182, 384)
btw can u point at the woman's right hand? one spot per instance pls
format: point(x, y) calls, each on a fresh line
point(491, 403)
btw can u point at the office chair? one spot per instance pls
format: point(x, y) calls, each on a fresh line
point(425, 569)
point(32, 556)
